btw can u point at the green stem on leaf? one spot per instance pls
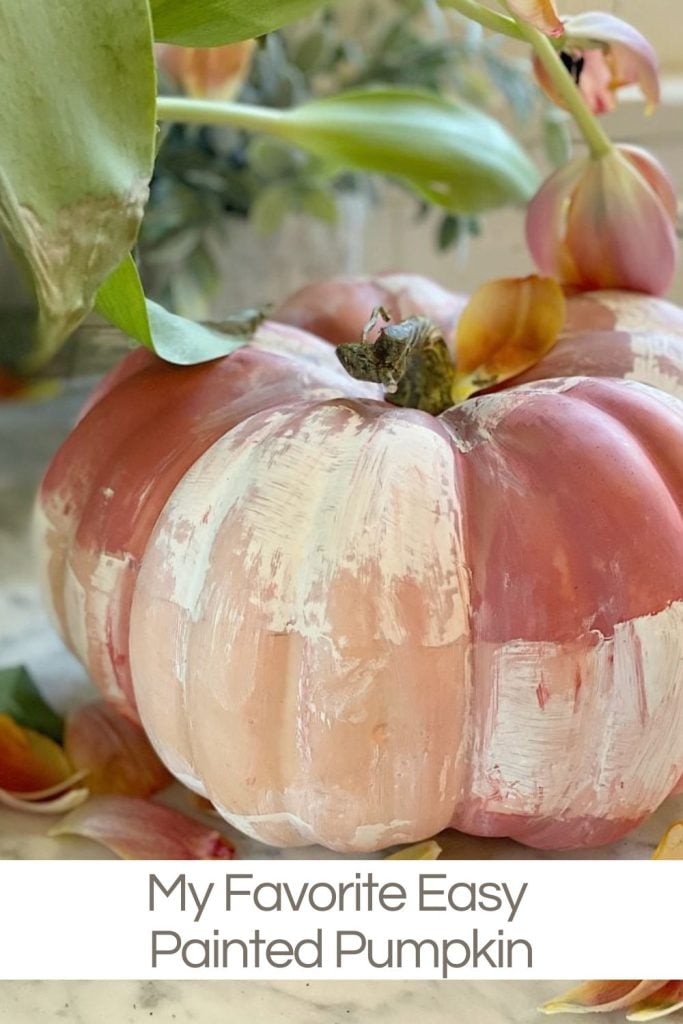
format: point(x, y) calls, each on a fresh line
point(485, 16)
point(233, 115)
point(596, 139)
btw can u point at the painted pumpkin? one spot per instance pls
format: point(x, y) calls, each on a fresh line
point(355, 624)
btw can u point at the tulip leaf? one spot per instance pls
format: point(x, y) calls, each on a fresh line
point(21, 701)
point(451, 153)
point(122, 302)
point(77, 131)
point(213, 22)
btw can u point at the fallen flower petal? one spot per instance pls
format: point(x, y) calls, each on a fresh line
point(671, 846)
point(507, 326)
point(429, 850)
point(28, 760)
point(45, 794)
point(541, 14)
point(140, 830)
point(660, 1004)
point(57, 805)
point(114, 751)
point(603, 996)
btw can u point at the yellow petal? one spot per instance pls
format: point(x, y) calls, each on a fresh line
point(429, 850)
point(114, 751)
point(671, 846)
point(29, 761)
point(507, 327)
point(54, 805)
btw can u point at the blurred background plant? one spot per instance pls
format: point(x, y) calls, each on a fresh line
point(206, 179)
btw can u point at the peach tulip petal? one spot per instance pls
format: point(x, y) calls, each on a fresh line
point(507, 327)
point(114, 751)
point(627, 55)
point(28, 760)
point(655, 175)
point(542, 14)
point(140, 830)
point(215, 73)
point(671, 846)
point(602, 996)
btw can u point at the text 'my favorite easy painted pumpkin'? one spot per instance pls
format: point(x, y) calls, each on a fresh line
point(356, 624)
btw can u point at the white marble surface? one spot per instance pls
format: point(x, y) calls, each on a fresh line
point(28, 436)
point(283, 1003)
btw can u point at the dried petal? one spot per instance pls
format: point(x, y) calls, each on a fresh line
point(28, 760)
point(671, 846)
point(542, 14)
point(603, 996)
point(216, 72)
point(506, 327)
point(140, 830)
point(114, 751)
point(429, 850)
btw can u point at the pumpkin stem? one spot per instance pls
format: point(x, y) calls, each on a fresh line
point(411, 359)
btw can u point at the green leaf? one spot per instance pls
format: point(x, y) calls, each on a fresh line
point(451, 153)
point(213, 22)
point(77, 130)
point(122, 302)
point(20, 699)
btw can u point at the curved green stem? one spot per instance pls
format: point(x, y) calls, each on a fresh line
point(233, 115)
point(485, 16)
point(596, 138)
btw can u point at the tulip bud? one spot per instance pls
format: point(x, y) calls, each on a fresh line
point(606, 222)
point(604, 53)
point(215, 73)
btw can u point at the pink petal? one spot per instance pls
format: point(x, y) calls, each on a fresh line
point(595, 82)
point(546, 220)
point(629, 55)
point(656, 177)
point(140, 830)
point(114, 751)
point(662, 1003)
point(542, 14)
point(619, 232)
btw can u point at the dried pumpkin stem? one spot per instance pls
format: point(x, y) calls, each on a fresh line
point(410, 359)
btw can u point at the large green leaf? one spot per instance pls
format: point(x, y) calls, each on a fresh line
point(454, 155)
point(122, 302)
point(449, 152)
point(77, 130)
point(213, 22)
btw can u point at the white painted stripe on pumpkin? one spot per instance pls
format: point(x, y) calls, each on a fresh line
point(620, 736)
point(649, 350)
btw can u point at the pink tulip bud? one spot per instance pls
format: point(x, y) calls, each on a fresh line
point(607, 222)
point(215, 73)
point(605, 53)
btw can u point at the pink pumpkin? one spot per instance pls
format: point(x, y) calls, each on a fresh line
point(355, 624)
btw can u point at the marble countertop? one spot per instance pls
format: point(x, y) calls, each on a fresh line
point(29, 434)
point(318, 1002)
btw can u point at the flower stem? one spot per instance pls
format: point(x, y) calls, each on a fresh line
point(485, 16)
point(596, 139)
